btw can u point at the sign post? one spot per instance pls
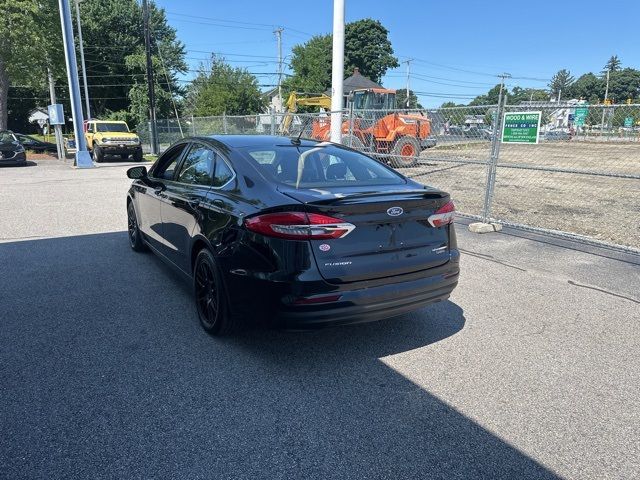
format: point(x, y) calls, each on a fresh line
point(521, 127)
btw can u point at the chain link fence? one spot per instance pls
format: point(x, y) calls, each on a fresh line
point(582, 178)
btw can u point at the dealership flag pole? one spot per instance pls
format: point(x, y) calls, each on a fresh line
point(83, 159)
point(337, 71)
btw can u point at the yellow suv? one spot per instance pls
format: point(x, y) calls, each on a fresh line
point(105, 137)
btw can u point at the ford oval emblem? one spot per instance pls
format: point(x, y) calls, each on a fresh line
point(395, 211)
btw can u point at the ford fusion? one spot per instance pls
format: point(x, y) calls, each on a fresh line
point(300, 232)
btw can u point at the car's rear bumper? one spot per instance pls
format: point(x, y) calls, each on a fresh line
point(374, 303)
point(291, 304)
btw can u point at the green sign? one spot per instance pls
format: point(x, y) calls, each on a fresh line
point(580, 116)
point(628, 122)
point(521, 127)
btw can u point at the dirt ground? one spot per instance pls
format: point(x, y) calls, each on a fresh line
point(605, 208)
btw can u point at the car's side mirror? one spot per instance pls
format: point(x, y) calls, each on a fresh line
point(136, 173)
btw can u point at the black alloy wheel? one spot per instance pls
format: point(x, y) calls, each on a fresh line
point(135, 236)
point(210, 296)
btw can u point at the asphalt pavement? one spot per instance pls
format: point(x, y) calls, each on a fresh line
point(531, 370)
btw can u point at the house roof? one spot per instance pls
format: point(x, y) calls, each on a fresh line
point(356, 81)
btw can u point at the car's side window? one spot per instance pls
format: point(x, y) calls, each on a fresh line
point(197, 168)
point(223, 172)
point(168, 162)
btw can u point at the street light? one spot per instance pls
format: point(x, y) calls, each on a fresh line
point(337, 71)
point(84, 68)
point(83, 159)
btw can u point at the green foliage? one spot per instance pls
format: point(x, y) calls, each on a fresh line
point(624, 84)
point(519, 94)
point(587, 87)
point(612, 65)
point(116, 62)
point(366, 46)
point(560, 82)
point(220, 88)
point(311, 64)
point(401, 99)
point(29, 35)
point(490, 98)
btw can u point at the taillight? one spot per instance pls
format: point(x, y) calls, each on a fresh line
point(443, 216)
point(299, 226)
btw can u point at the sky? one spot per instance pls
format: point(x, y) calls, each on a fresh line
point(458, 48)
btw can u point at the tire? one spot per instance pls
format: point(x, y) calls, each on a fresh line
point(98, 154)
point(405, 152)
point(210, 296)
point(353, 142)
point(136, 242)
point(137, 156)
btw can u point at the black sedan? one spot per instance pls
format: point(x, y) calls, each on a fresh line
point(35, 145)
point(11, 151)
point(307, 233)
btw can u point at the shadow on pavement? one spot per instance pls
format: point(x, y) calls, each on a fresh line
point(107, 374)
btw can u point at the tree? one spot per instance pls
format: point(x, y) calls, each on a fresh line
point(612, 65)
point(560, 82)
point(116, 61)
point(220, 88)
point(490, 98)
point(366, 46)
point(30, 25)
point(519, 94)
point(624, 84)
point(588, 87)
point(401, 99)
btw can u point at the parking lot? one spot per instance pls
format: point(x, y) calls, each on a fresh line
point(530, 370)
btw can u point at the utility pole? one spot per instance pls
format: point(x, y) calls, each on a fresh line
point(83, 159)
point(153, 132)
point(278, 31)
point(337, 71)
point(606, 97)
point(84, 68)
point(57, 128)
point(408, 62)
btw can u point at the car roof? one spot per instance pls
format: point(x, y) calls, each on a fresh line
point(267, 141)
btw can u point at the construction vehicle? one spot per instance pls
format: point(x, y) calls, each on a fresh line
point(398, 138)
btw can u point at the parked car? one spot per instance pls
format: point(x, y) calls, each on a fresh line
point(477, 133)
point(11, 150)
point(106, 137)
point(35, 145)
point(455, 131)
point(556, 135)
point(308, 233)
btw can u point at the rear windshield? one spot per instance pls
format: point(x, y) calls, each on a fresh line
point(319, 166)
point(111, 127)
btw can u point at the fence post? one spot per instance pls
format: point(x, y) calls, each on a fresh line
point(272, 113)
point(351, 124)
point(493, 161)
point(193, 126)
point(224, 122)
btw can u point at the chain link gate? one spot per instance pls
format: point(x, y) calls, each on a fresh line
point(582, 179)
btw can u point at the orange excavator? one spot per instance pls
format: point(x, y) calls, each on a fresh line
point(396, 137)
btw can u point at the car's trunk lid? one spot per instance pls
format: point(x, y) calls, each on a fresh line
point(392, 235)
